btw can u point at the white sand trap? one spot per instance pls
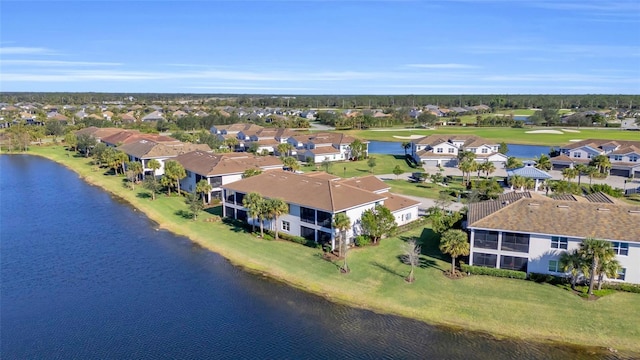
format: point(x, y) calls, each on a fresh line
point(545, 132)
point(571, 130)
point(411, 137)
point(575, 140)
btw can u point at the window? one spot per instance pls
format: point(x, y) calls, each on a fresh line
point(559, 242)
point(553, 266)
point(307, 215)
point(451, 150)
point(577, 154)
point(633, 158)
point(621, 248)
point(308, 233)
point(324, 219)
point(286, 226)
point(621, 274)
point(439, 150)
point(485, 239)
point(407, 216)
point(487, 260)
point(515, 242)
point(617, 157)
point(239, 198)
point(513, 263)
point(485, 150)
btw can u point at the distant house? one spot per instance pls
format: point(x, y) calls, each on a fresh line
point(234, 128)
point(529, 232)
point(324, 146)
point(153, 116)
point(129, 136)
point(98, 133)
point(314, 201)
point(623, 155)
point(442, 150)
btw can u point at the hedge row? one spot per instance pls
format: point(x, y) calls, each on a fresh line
point(421, 222)
point(481, 270)
point(632, 288)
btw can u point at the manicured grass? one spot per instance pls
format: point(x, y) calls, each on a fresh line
point(499, 134)
point(505, 307)
point(384, 165)
point(424, 189)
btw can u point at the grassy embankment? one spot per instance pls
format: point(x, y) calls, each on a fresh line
point(384, 165)
point(503, 307)
point(509, 135)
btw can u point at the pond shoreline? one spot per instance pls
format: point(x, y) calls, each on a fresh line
point(255, 268)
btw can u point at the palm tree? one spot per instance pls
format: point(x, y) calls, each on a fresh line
point(406, 145)
point(581, 170)
point(342, 223)
point(231, 143)
point(174, 171)
point(596, 251)
point(608, 268)
point(602, 163)
point(276, 208)
point(590, 171)
point(284, 149)
point(203, 187)
point(518, 181)
point(254, 204)
point(154, 165)
point(572, 263)
point(543, 162)
point(487, 167)
point(513, 163)
point(454, 242)
point(468, 166)
point(569, 173)
point(291, 163)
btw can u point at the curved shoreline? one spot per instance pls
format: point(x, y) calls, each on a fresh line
point(259, 269)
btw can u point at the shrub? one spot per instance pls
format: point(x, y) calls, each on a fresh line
point(480, 270)
point(422, 220)
point(632, 288)
point(547, 278)
point(362, 240)
point(299, 240)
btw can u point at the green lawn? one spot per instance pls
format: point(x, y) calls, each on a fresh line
point(384, 165)
point(499, 134)
point(424, 189)
point(505, 307)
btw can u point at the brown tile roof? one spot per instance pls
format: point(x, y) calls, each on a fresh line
point(324, 150)
point(146, 149)
point(627, 150)
point(322, 175)
point(483, 209)
point(565, 159)
point(331, 138)
point(543, 215)
point(469, 140)
point(600, 197)
point(396, 202)
point(598, 143)
point(209, 164)
point(564, 197)
point(303, 190)
point(97, 132)
point(129, 136)
point(369, 183)
point(235, 128)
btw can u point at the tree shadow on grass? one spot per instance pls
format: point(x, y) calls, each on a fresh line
point(143, 195)
point(214, 210)
point(388, 269)
point(184, 214)
point(236, 226)
point(423, 264)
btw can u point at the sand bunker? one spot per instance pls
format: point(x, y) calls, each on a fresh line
point(570, 130)
point(545, 132)
point(575, 140)
point(409, 137)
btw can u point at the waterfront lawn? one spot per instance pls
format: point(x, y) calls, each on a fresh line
point(384, 165)
point(504, 307)
point(424, 189)
point(499, 134)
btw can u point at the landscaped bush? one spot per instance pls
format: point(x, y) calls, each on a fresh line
point(480, 270)
point(632, 288)
point(362, 240)
point(299, 240)
point(412, 225)
point(547, 278)
point(607, 189)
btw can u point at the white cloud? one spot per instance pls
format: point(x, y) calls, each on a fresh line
point(56, 63)
point(18, 50)
point(442, 66)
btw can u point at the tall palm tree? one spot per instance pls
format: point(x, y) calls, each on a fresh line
point(543, 162)
point(581, 170)
point(254, 203)
point(203, 187)
point(591, 171)
point(284, 149)
point(454, 242)
point(518, 181)
point(487, 167)
point(602, 163)
point(175, 171)
point(276, 208)
point(154, 165)
point(569, 173)
point(608, 268)
point(596, 251)
point(405, 146)
point(513, 163)
point(467, 167)
point(291, 163)
point(572, 262)
point(342, 223)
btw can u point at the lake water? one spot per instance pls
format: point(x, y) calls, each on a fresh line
point(85, 276)
point(519, 151)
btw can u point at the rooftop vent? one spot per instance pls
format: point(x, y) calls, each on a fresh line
point(634, 211)
point(534, 204)
point(603, 209)
point(563, 206)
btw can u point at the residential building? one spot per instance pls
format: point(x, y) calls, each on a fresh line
point(528, 231)
point(220, 169)
point(324, 146)
point(623, 155)
point(442, 150)
point(129, 136)
point(143, 150)
point(314, 200)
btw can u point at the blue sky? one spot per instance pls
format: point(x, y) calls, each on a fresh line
point(322, 47)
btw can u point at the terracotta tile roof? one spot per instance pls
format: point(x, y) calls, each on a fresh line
point(209, 164)
point(236, 128)
point(324, 150)
point(483, 209)
point(129, 136)
point(627, 150)
point(598, 143)
point(396, 202)
point(600, 197)
point(146, 149)
point(97, 132)
point(303, 190)
point(543, 215)
point(564, 197)
point(369, 183)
